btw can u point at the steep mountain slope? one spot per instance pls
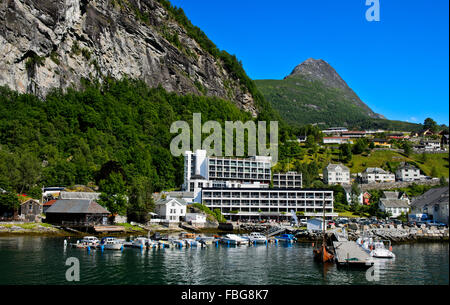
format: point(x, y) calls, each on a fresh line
point(57, 44)
point(315, 93)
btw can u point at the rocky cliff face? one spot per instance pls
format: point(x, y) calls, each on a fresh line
point(57, 43)
point(319, 70)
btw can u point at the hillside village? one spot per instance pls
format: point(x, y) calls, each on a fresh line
point(248, 189)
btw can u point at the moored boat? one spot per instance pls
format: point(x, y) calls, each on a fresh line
point(140, 242)
point(376, 248)
point(233, 239)
point(189, 242)
point(257, 238)
point(111, 243)
point(288, 238)
point(205, 240)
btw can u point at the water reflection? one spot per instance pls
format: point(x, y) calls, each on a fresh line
point(36, 260)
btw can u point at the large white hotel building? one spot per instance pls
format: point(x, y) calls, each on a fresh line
point(240, 188)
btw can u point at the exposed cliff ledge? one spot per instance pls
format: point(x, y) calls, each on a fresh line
point(56, 43)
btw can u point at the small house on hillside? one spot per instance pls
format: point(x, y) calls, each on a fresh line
point(407, 172)
point(336, 174)
point(376, 174)
point(395, 203)
point(351, 197)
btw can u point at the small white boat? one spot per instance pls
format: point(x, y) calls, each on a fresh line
point(206, 240)
point(152, 244)
point(257, 238)
point(178, 243)
point(140, 242)
point(190, 242)
point(375, 248)
point(111, 243)
point(90, 241)
point(233, 239)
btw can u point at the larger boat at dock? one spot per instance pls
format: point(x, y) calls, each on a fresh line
point(257, 238)
point(376, 248)
point(233, 239)
point(111, 243)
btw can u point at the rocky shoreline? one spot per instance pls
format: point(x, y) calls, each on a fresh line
point(395, 235)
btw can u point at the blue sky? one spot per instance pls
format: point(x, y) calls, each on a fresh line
point(399, 66)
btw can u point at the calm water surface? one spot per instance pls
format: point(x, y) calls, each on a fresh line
point(41, 260)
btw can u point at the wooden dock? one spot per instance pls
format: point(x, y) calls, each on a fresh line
point(351, 254)
point(108, 229)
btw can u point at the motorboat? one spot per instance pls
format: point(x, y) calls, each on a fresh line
point(90, 241)
point(178, 242)
point(111, 243)
point(140, 242)
point(185, 235)
point(257, 238)
point(376, 248)
point(205, 240)
point(159, 236)
point(152, 243)
point(86, 242)
point(189, 242)
point(163, 243)
point(233, 239)
point(288, 238)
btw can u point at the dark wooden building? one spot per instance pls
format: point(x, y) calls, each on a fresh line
point(76, 212)
point(31, 210)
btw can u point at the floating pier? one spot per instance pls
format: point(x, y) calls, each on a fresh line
point(351, 254)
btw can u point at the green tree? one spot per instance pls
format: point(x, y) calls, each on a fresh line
point(9, 202)
point(434, 172)
point(140, 200)
point(407, 148)
point(345, 152)
point(113, 194)
point(429, 123)
point(360, 146)
point(355, 192)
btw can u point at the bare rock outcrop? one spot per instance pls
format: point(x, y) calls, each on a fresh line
point(58, 43)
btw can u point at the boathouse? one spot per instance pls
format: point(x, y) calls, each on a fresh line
point(77, 212)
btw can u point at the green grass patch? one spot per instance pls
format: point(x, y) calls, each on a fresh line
point(349, 214)
point(130, 227)
point(433, 162)
point(27, 226)
point(46, 225)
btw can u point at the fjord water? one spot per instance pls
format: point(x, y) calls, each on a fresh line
point(41, 260)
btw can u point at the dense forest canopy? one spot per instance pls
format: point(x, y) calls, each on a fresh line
point(68, 137)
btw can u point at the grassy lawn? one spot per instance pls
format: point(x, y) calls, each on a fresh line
point(128, 226)
point(379, 158)
point(349, 214)
point(375, 159)
point(439, 161)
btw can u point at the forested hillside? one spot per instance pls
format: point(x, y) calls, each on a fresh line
point(68, 137)
point(315, 94)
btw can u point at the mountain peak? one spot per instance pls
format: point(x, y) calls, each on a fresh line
point(319, 70)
